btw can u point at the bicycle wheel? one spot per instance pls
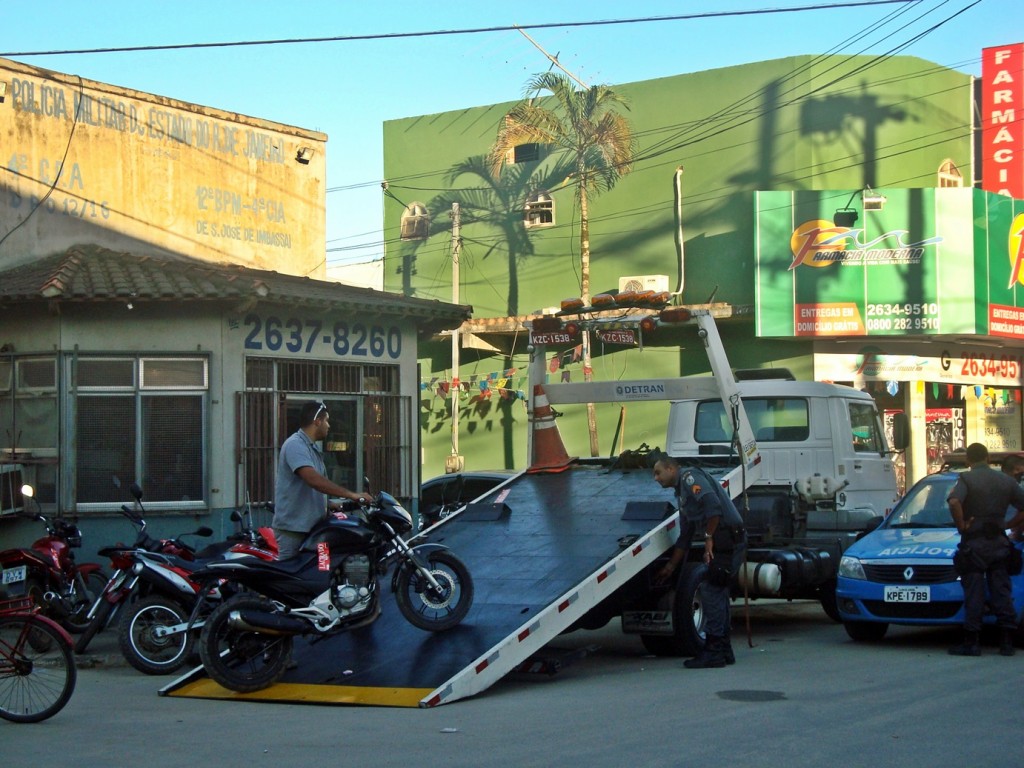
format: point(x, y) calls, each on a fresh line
point(34, 684)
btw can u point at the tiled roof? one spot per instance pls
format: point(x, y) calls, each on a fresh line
point(93, 274)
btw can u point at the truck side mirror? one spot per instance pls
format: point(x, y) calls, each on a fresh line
point(900, 431)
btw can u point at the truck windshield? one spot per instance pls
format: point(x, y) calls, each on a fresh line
point(773, 419)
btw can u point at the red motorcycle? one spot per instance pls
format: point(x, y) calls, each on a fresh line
point(121, 586)
point(154, 632)
point(48, 574)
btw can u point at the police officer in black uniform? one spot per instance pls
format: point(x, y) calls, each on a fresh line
point(978, 503)
point(707, 512)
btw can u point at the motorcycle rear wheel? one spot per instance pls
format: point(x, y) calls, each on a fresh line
point(427, 609)
point(238, 659)
point(140, 644)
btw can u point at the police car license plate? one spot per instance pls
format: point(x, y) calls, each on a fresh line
point(14, 575)
point(908, 594)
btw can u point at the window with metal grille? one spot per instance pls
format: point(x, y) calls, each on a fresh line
point(106, 373)
point(370, 423)
point(140, 419)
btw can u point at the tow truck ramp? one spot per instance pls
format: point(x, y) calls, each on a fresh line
point(543, 550)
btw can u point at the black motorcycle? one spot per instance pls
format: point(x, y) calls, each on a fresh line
point(330, 587)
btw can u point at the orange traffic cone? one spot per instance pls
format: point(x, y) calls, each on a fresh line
point(548, 450)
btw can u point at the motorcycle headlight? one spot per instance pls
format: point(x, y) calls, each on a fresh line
point(851, 568)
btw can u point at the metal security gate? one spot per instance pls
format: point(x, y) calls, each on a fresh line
point(370, 424)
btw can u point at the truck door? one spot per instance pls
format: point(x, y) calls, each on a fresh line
point(872, 482)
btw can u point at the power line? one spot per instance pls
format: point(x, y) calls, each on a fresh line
point(469, 31)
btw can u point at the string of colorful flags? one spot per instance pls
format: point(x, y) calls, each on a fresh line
point(955, 391)
point(503, 383)
point(506, 384)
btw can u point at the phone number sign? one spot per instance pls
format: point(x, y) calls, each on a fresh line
point(311, 335)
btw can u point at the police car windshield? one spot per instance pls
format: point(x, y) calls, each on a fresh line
point(925, 506)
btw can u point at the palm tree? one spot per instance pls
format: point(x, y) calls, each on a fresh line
point(595, 140)
point(597, 147)
point(498, 203)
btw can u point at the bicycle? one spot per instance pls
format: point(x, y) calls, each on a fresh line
point(37, 664)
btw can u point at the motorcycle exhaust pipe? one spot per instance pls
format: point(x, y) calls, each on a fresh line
point(267, 623)
point(56, 603)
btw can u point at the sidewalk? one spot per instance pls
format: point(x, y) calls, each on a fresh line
point(104, 651)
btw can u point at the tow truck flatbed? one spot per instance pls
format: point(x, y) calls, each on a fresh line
point(542, 548)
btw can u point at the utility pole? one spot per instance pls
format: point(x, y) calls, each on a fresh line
point(455, 462)
point(553, 59)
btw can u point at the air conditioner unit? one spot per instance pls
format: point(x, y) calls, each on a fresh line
point(643, 283)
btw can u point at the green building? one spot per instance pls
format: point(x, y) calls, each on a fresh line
point(733, 160)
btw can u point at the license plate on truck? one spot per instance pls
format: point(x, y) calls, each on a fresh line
point(908, 594)
point(647, 622)
point(14, 575)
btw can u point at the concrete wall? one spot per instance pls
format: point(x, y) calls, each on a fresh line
point(87, 162)
point(226, 335)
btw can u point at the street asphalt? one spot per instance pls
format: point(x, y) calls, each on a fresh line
point(804, 694)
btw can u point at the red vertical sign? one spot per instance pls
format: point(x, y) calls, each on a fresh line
point(1002, 119)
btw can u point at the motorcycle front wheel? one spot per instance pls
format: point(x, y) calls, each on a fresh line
point(240, 659)
point(431, 609)
point(142, 643)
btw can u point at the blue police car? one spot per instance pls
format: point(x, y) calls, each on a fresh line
point(902, 572)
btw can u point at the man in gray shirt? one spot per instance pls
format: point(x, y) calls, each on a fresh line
point(300, 495)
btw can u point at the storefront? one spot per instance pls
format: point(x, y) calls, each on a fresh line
point(916, 295)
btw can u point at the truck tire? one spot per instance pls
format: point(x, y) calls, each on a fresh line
point(827, 596)
point(687, 638)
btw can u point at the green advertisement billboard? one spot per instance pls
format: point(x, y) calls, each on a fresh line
point(892, 262)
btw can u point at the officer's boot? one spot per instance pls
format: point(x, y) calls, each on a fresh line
point(969, 647)
point(727, 654)
point(711, 657)
point(1006, 642)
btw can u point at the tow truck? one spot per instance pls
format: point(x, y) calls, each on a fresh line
point(572, 543)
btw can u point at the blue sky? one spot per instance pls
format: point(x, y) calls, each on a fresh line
point(347, 89)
